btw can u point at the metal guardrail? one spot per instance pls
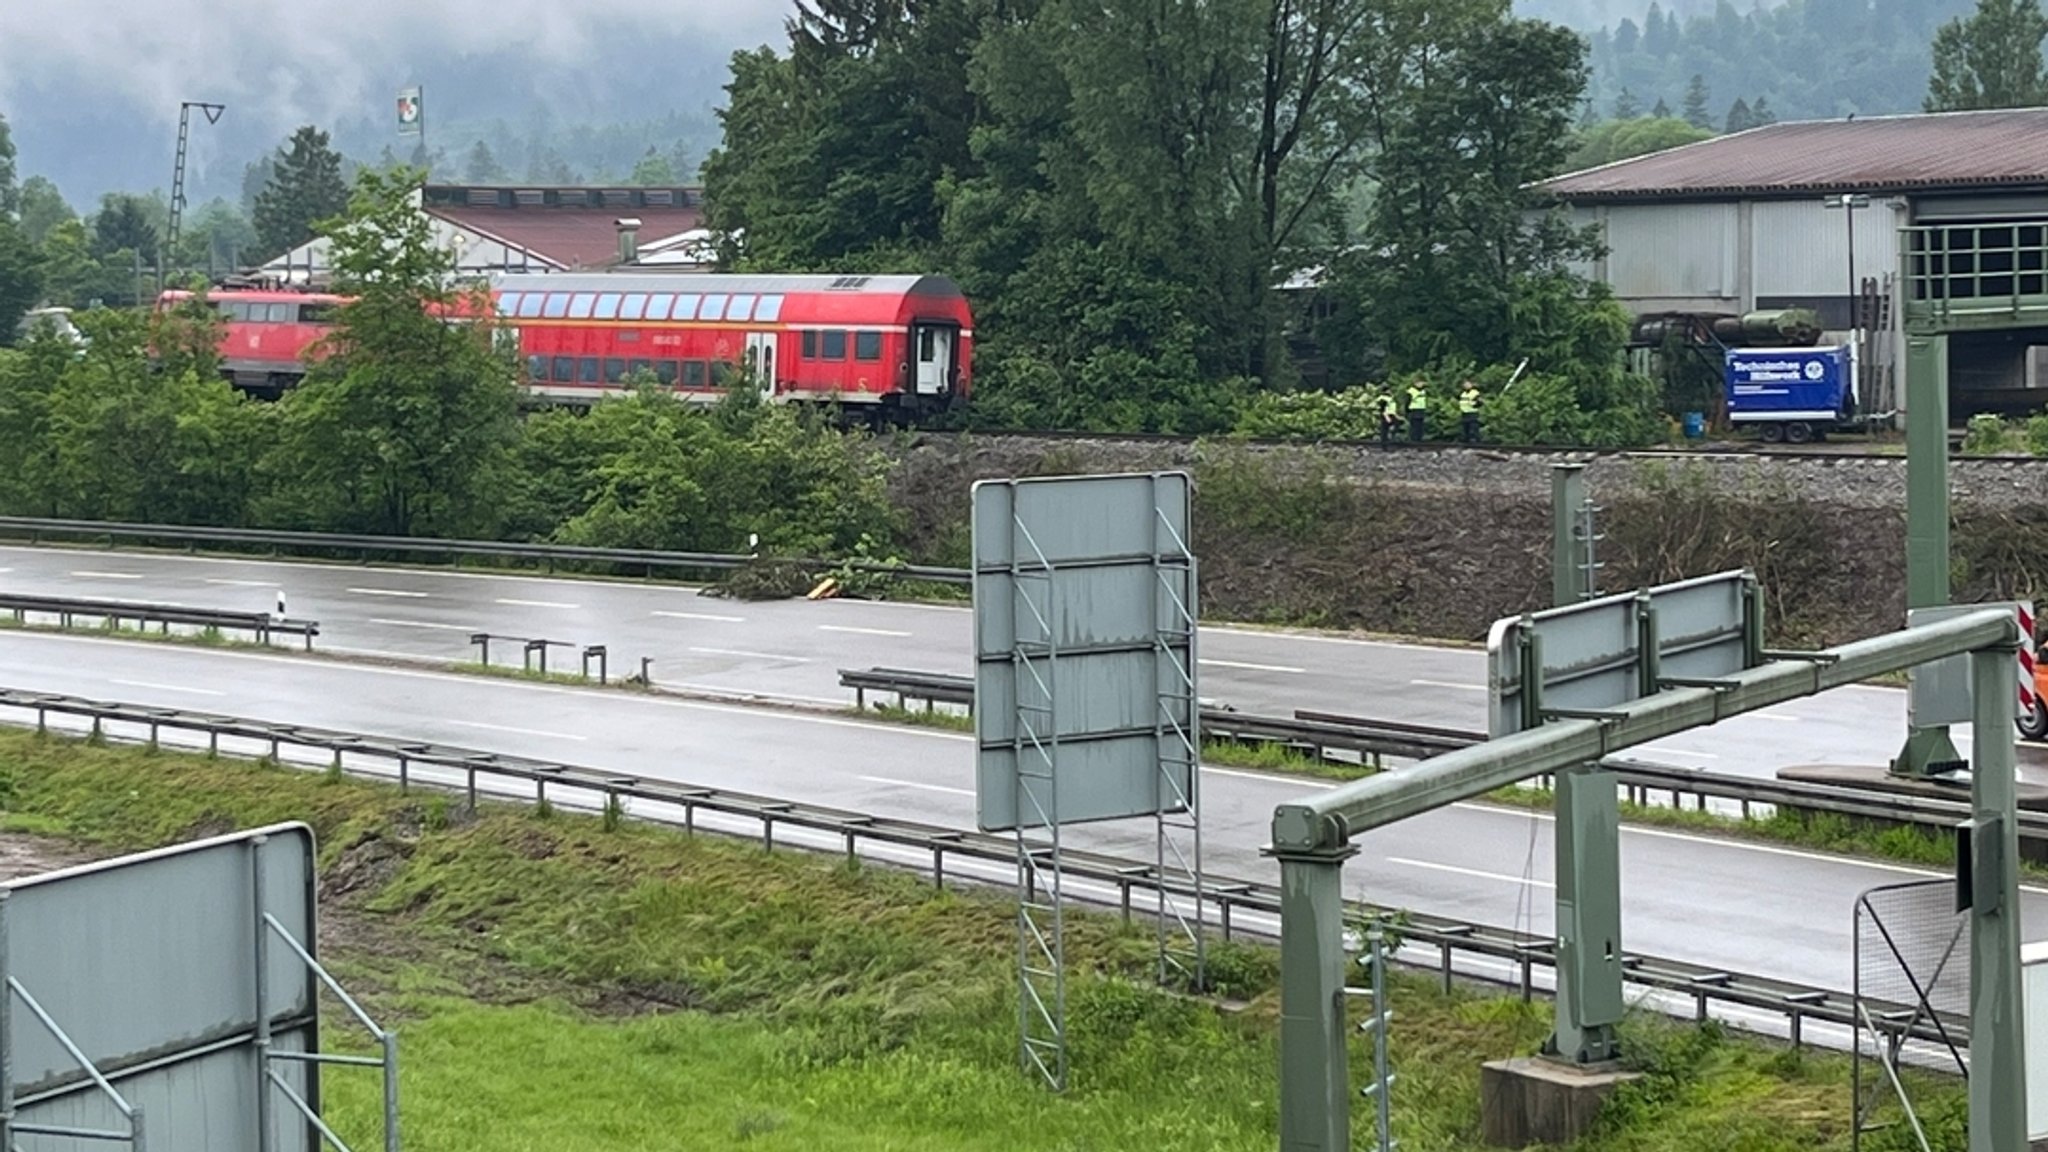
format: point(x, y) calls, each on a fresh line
point(36, 530)
point(1641, 781)
point(262, 625)
point(1704, 986)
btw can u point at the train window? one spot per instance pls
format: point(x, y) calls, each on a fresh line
point(317, 313)
point(685, 307)
point(614, 370)
point(282, 313)
point(693, 374)
point(565, 369)
point(810, 345)
point(557, 307)
point(835, 345)
point(636, 367)
point(586, 370)
point(607, 307)
point(633, 306)
point(741, 308)
point(537, 367)
point(579, 305)
point(867, 345)
point(530, 305)
point(714, 307)
point(769, 309)
point(665, 371)
point(508, 304)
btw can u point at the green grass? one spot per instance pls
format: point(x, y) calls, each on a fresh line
point(206, 638)
point(561, 985)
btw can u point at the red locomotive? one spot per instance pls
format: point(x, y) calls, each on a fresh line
point(896, 348)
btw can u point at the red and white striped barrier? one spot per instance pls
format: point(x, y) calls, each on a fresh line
point(2028, 696)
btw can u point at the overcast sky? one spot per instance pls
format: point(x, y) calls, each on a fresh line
point(298, 60)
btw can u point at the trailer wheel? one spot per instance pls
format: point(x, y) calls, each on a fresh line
point(1799, 432)
point(1773, 433)
point(2034, 725)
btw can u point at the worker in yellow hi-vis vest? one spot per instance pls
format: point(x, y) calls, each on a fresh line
point(1390, 416)
point(1418, 410)
point(1468, 412)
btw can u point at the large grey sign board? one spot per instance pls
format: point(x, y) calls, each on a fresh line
point(148, 964)
point(1082, 590)
point(1938, 693)
point(1604, 653)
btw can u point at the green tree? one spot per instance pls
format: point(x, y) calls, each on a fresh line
point(652, 171)
point(1626, 106)
point(1740, 118)
point(75, 277)
point(1992, 59)
point(10, 193)
point(21, 278)
point(186, 336)
point(124, 224)
point(1696, 98)
point(1761, 112)
point(482, 166)
point(1662, 111)
point(1614, 140)
point(406, 415)
point(42, 209)
point(304, 186)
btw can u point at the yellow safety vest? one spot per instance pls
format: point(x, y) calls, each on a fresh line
point(1468, 401)
point(1418, 400)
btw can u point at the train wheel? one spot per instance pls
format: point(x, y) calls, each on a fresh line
point(1799, 432)
point(1774, 433)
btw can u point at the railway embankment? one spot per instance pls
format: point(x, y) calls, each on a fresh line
point(1440, 543)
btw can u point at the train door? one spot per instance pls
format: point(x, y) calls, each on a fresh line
point(934, 359)
point(761, 361)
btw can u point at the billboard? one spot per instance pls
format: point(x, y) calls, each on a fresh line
point(1785, 383)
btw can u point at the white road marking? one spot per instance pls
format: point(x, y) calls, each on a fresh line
point(744, 654)
point(390, 592)
point(243, 583)
point(915, 784)
point(167, 687)
point(424, 624)
point(702, 616)
point(517, 731)
point(1270, 778)
point(1778, 716)
point(1252, 667)
point(6, 569)
point(90, 575)
point(1681, 755)
point(1474, 872)
point(861, 631)
point(534, 603)
point(1448, 684)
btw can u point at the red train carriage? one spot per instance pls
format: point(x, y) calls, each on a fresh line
point(269, 334)
point(897, 346)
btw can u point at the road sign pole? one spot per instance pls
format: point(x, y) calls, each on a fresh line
point(1315, 1066)
point(1998, 1082)
point(1570, 577)
point(1588, 847)
point(1928, 751)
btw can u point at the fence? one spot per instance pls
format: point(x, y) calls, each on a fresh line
point(1642, 783)
point(1676, 982)
point(261, 625)
point(648, 561)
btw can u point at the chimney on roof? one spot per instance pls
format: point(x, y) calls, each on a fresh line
point(629, 239)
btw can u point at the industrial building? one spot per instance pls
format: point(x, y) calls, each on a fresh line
point(523, 228)
point(1816, 214)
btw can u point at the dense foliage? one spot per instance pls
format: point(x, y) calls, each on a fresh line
point(1123, 229)
point(1990, 60)
point(406, 425)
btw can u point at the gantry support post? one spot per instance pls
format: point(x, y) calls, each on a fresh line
point(1588, 847)
point(1315, 1069)
point(1570, 574)
point(1998, 1082)
point(1928, 751)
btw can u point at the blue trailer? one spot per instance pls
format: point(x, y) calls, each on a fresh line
point(1794, 394)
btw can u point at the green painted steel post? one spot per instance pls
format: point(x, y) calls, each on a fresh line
point(1588, 847)
point(1315, 1066)
point(1568, 575)
point(1998, 1081)
point(1928, 751)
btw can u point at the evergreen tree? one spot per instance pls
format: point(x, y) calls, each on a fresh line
point(483, 168)
point(10, 195)
point(21, 278)
point(1740, 118)
point(1627, 37)
point(1662, 111)
point(653, 171)
point(1696, 113)
point(1760, 112)
point(1992, 59)
point(305, 187)
point(1626, 106)
point(1656, 35)
point(42, 209)
point(123, 225)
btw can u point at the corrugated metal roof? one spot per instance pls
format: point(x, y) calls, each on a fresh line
point(2007, 148)
point(569, 237)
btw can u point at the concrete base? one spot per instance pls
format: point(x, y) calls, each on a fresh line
point(1534, 1100)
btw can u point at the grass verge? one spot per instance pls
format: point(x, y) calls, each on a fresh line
point(561, 984)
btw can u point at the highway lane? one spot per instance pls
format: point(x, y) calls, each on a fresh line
point(1756, 908)
point(793, 649)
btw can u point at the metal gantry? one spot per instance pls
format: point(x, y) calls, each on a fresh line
point(169, 252)
point(1177, 727)
point(1041, 919)
point(1377, 1020)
